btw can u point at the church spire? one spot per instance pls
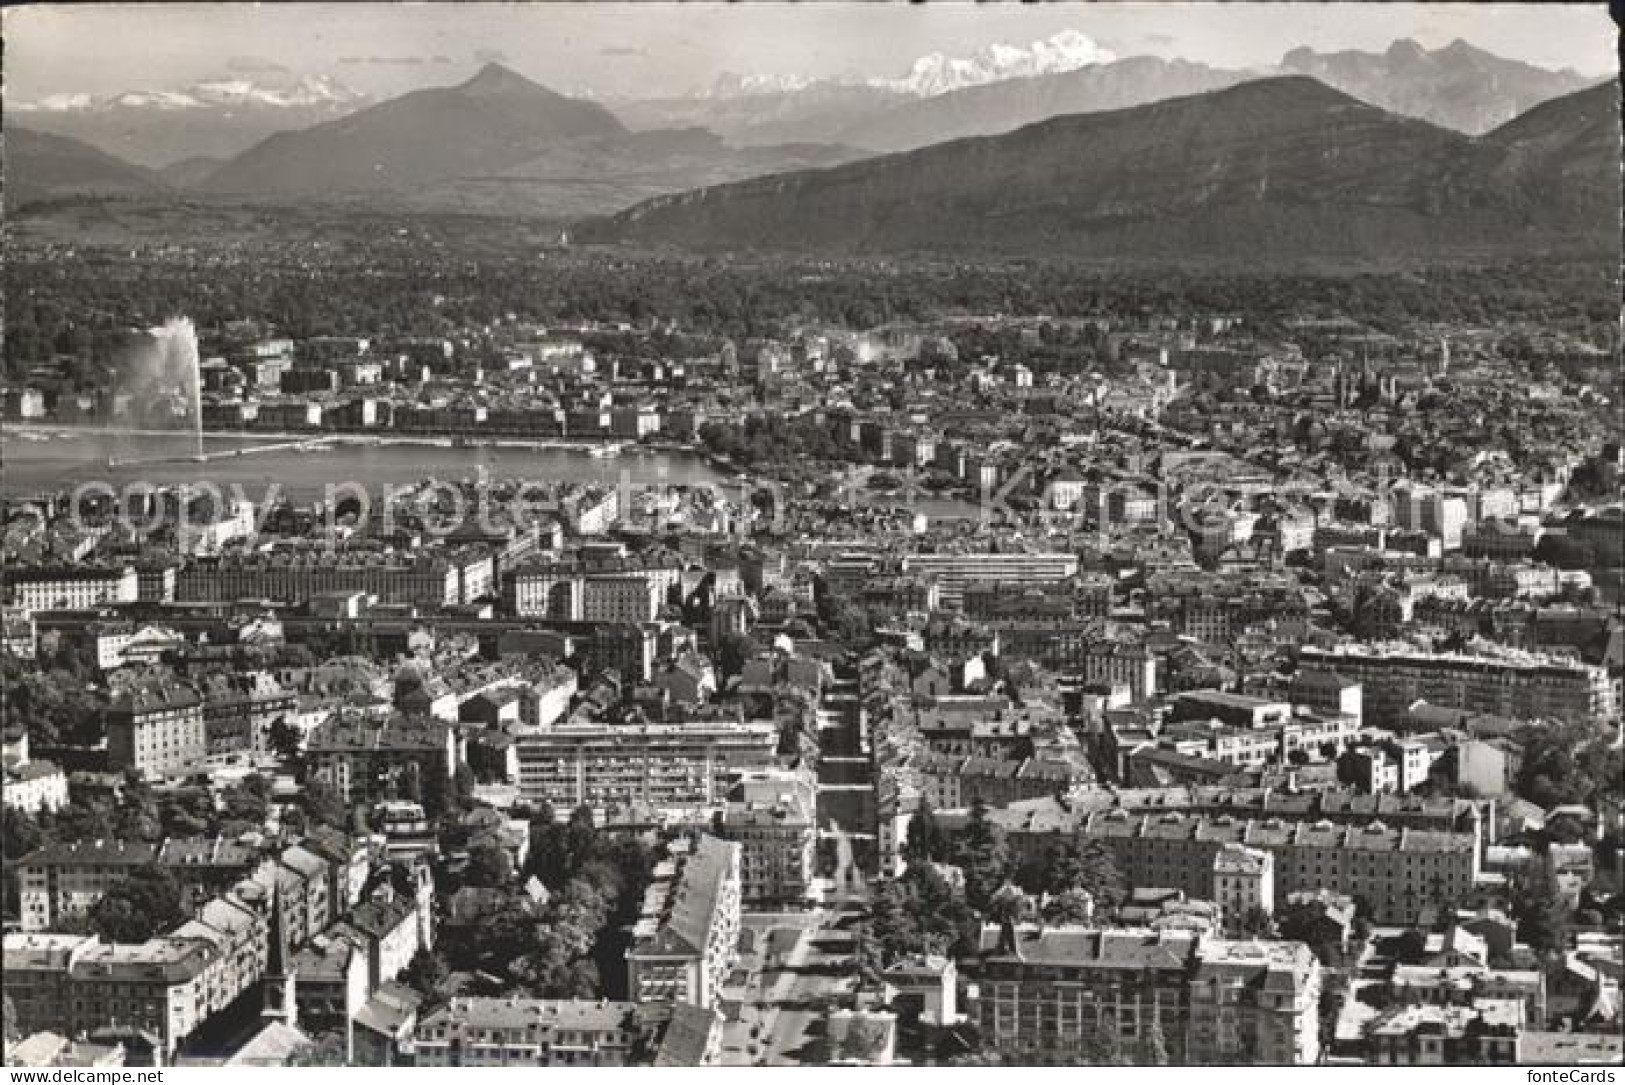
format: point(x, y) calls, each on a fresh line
point(276, 957)
point(278, 999)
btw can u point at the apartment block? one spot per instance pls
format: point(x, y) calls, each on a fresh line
point(365, 759)
point(1398, 871)
point(954, 572)
point(1513, 684)
point(299, 576)
point(665, 766)
point(1076, 992)
point(1254, 1002)
point(687, 937)
point(773, 817)
point(165, 988)
point(61, 882)
point(157, 729)
point(528, 1032)
point(1243, 881)
point(36, 588)
point(1082, 993)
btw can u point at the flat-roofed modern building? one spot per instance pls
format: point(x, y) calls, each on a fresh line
point(664, 766)
point(73, 587)
point(954, 572)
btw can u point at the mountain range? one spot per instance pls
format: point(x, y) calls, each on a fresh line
point(582, 177)
point(879, 118)
point(999, 107)
point(301, 93)
point(1265, 172)
point(1217, 167)
point(938, 97)
point(497, 143)
point(214, 119)
point(1457, 86)
point(495, 120)
point(41, 166)
point(936, 73)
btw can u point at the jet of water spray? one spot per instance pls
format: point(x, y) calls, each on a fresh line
point(164, 367)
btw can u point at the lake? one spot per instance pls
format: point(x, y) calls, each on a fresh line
point(46, 458)
point(74, 457)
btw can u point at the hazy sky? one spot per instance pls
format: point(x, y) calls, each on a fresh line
point(651, 49)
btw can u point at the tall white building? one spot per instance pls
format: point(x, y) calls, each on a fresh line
point(1243, 880)
point(70, 587)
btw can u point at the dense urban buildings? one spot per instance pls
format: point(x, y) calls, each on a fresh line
point(1137, 586)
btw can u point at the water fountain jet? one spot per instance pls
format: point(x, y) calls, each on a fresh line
point(161, 377)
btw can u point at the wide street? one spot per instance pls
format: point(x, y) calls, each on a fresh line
point(794, 967)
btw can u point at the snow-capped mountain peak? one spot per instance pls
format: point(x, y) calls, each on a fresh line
point(938, 74)
point(734, 85)
point(57, 103)
point(151, 99)
point(311, 91)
